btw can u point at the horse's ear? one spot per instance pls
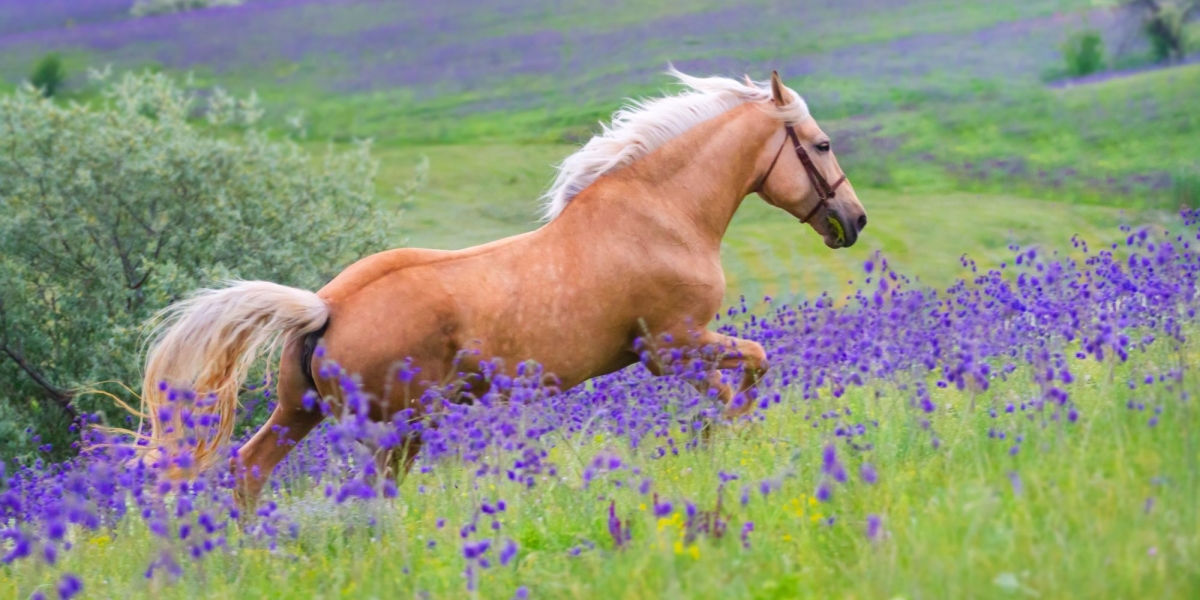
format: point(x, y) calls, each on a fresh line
point(777, 89)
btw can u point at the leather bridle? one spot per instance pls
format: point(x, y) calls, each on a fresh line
point(825, 192)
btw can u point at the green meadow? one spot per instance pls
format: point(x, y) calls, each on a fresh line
point(1104, 509)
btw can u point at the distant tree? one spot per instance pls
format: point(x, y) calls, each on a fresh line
point(1084, 53)
point(111, 211)
point(48, 74)
point(1163, 23)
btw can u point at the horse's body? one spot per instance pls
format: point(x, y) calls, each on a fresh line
point(635, 253)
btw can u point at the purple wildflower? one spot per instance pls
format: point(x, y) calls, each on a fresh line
point(874, 524)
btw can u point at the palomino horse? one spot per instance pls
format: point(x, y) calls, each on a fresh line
point(632, 248)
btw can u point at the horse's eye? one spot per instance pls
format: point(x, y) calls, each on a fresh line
point(823, 146)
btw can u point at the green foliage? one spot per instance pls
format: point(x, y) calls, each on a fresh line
point(1084, 53)
point(1164, 22)
point(110, 212)
point(1161, 47)
point(48, 74)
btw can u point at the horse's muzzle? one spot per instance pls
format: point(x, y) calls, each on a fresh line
point(842, 233)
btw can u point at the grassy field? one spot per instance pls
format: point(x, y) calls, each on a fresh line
point(938, 114)
point(1102, 508)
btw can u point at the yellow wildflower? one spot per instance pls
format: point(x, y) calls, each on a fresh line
point(692, 550)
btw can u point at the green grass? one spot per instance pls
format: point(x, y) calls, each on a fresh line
point(1067, 143)
point(955, 525)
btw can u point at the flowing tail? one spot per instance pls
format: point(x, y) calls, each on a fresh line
point(205, 345)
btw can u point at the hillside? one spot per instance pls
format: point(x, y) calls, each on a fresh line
point(937, 108)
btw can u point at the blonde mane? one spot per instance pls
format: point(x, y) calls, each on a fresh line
point(643, 126)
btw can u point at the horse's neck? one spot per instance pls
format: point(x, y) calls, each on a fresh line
point(696, 182)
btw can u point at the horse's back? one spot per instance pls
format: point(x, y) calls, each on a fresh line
point(405, 303)
point(382, 267)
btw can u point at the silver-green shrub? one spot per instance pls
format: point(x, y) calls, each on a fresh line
point(110, 211)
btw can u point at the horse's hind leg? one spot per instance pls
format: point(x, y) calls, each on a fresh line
point(288, 424)
point(395, 463)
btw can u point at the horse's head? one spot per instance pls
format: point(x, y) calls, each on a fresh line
point(805, 180)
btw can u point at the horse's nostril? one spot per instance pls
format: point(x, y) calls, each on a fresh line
point(862, 222)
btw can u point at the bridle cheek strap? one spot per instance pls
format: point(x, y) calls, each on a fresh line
point(825, 192)
point(765, 175)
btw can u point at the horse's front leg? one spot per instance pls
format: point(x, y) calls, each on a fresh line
point(724, 352)
point(731, 353)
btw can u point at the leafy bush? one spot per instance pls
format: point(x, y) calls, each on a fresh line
point(48, 74)
point(143, 8)
point(1084, 53)
point(110, 212)
point(1165, 24)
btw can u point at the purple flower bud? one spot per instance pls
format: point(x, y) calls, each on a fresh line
point(661, 509)
point(874, 525)
point(867, 472)
point(69, 586)
point(824, 492)
point(508, 552)
point(747, 527)
point(474, 551)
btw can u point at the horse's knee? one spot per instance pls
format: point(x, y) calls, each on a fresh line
point(755, 357)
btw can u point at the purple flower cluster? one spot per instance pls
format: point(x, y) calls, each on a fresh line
point(1037, 318)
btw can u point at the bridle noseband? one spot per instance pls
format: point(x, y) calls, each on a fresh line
point(825, 192)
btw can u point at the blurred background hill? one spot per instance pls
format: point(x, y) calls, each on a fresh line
point(960, 121)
